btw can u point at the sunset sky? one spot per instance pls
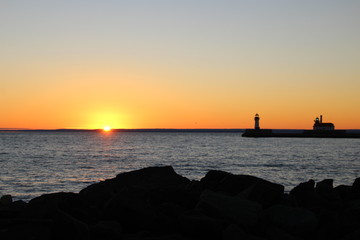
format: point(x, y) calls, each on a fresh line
point(179, 64)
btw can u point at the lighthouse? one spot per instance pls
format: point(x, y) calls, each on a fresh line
point(257, 124)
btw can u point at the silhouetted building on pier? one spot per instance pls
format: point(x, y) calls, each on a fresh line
point(319, 125)
point(320, 130)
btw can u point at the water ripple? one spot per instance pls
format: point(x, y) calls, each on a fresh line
point(32, 164)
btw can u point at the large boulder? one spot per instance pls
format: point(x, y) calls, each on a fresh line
point(297, 221)
point(265, 193)
point(48, 205)
point(325, 186)
point(235, 209)
point(350, 216)
point(107, 230)
point(253, 188)
point(355, 235)
point(167, 215)
point(152, 177)
point(328, 195)
point(201, 226)
point(276, 233)
point(10, 208)
point(234, 232)
point(344, 191)
point(176, 195)
point(68, 227)
point(356, 189)
point(305, 194)
point(213, 179)
point(5, 200)
point(27, 229)
point(303, 189)
point(133, 213)
point(144, 180)
point(99, 193)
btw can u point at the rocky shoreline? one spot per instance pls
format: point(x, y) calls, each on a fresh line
point(157, 203)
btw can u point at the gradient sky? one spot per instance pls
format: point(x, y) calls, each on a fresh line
point(179, 64)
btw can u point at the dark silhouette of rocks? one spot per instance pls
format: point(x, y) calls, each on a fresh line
point(157, 203)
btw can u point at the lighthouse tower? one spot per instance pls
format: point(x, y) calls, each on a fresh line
point(257, 119)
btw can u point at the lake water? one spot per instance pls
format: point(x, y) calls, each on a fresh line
point(34, 163)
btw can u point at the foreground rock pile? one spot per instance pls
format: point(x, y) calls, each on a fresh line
point(157, 203)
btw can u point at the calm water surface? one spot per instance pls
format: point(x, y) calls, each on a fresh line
point(34, 163)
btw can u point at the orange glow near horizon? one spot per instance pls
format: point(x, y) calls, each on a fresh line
point(176, 116)
point(154, 69)
point(149, 101)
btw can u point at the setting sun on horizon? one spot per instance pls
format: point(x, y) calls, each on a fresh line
point(107, 129)
point(203, 64)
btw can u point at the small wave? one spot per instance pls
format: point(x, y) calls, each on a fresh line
point(279, 165)
point(87, 167)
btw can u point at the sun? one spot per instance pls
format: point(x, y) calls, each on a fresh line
point(107, 128)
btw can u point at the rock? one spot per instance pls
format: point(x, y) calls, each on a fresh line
point(234, 232)
point(47, 206)
point(324, 186)
point(238, 210)
point(148, 236)
point(5, 200)
point(220, 181)
point(99, 193)
point(213, 178)
point(134, 214)
point(275, 233)
point(12, 210)
point(175, 195)
point(171, 210)
point(156, 203)
point(201, 226)
point(329, 231)
point(43, 207)
point(152, 176)
point(356, 184)
point(355, 235)
point(265, 193)
point(106, 230)
point(167, 215)
point(328, 196)
point(18, 205)
point(305, 194)
point(297, 221)
point(27, 229)
point(144, 180)
point(345, 192)
point(356, 189)
point(235, 184)
point(303, 189)
point(68, 227)
point(349, 218)
point(255, 237)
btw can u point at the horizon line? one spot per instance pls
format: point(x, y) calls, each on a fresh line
point(151, 129)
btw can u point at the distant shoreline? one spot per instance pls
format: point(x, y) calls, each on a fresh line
point(130, 130)
point(164, 130)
